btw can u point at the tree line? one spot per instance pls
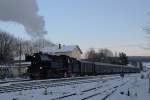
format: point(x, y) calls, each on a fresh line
point(11, 46)
point(106, 56)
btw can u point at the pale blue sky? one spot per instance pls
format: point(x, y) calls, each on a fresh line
point(96, 23)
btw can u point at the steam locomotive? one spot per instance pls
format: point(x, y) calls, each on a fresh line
point(44, 66)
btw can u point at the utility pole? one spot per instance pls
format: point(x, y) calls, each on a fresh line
point(149, 81)
point(20, 51)
point(20, 54)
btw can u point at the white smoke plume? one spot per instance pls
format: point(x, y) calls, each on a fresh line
point(24, 12)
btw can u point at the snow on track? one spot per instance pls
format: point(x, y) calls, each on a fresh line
point(87, 88)
point(14, 87)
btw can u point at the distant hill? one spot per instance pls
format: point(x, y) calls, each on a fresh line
point(139, 58)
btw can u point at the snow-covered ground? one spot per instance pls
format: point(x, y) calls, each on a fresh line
point(136, 89)
point(103, 89)
point(13, 79)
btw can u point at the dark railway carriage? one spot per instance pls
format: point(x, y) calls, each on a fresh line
point(87, 68)
point(102, 68)
point(74, 67)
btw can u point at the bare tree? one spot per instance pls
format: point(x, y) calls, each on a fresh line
point(90, 54)
point(41, 43)
point(7, 46)
point(147, 29)
point(101, 53)
point(30, 47)
point(11, 47)
point(105, 53)
point(123, 59)
point(106, 56)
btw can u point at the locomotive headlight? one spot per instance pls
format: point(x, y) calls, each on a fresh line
point(26, 68)
point(41, 68)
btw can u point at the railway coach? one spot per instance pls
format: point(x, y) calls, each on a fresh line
point(103, 68)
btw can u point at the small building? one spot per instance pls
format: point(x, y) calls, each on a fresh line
point(20, 66)
point(12, 71)
point(20, 61)
point(69, 50)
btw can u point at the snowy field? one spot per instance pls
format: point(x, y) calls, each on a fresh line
point(113, 87)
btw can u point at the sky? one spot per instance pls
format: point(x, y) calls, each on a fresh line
point(114, 24)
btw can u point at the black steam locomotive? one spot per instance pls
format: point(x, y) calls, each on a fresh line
point(45, 66)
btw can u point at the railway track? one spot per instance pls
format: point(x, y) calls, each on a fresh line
point(2, 82)
point(29, 85)
point(109, 89)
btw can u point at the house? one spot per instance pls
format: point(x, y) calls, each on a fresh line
point(69, 50)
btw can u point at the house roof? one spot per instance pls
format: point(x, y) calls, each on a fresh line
point(56, 49)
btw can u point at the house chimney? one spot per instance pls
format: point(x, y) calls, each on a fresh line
point(59, 46)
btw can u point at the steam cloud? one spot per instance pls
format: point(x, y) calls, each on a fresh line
point(24, 12)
